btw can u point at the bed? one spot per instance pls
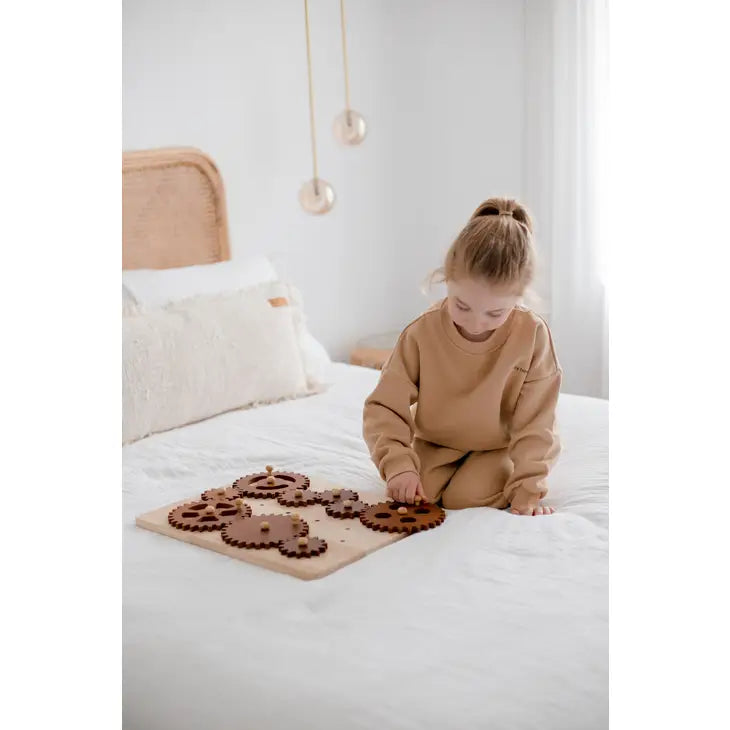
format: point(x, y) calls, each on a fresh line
point(490, 621)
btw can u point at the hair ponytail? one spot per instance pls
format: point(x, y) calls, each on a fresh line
point(496, 244)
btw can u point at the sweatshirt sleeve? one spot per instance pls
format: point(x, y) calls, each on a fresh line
point(534, 443)
point(387, 418)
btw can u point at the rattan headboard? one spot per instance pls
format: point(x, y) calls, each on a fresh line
point(174, 209)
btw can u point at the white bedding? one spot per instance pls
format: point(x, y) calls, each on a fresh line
point(490, 621)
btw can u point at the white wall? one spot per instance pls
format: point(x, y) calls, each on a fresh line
point(440, 83)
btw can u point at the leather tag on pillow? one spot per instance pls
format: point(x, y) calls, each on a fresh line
point(279, 302)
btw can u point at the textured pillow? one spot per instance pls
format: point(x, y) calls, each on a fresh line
point(203, 356)
point(154, 288)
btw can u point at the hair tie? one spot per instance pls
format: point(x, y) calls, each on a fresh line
point(505, 212)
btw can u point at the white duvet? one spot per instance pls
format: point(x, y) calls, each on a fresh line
point(490, 621)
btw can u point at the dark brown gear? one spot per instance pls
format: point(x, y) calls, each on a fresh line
point(397, 517)
point(312, 547)
point(220, 494)
point(297, 497)
point(270, 483)
point(202, 516)
point(338, 495)
point(250, 533)
point(346, 509)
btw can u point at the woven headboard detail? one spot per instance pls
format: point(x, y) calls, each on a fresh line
point(174, 209)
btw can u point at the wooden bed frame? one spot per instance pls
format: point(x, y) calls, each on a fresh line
point(173, 209)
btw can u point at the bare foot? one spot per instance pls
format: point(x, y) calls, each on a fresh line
point(538, 509)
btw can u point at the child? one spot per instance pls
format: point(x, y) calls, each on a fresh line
point(464, 412)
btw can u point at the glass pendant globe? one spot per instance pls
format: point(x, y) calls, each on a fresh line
point(349, 127)
point(317, 196)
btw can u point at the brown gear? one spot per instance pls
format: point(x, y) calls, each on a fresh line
point(248, 533)
point(256, 485)
point(341, 511)
point(289, 498)
point(197, 517)
point(220, 494)
point(292, 549)
point(388, 517)
point(329, 496)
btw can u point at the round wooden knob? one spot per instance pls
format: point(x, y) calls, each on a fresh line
point(269, 469)
point(265, 526)
point(210, 509)
point(302, 542)
point(270, 480)
point(297, 492)
point(418, 500)
point(336, 492)
point(347, 504)
point(402, 511)
point(295, 517)
point(238, 502)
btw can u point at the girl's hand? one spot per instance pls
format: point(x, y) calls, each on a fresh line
point(406, 487)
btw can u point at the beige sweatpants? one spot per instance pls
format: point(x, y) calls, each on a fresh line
point(463, 479)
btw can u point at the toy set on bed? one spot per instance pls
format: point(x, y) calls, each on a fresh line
point(285, 521)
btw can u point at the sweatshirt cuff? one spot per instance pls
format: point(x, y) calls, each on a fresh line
point(400, 464)
point(525, 492)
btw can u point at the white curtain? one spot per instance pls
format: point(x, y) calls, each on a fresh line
point(564, 172)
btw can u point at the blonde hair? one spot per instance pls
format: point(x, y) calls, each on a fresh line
point(496, 244)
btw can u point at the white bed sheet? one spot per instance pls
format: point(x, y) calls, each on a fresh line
point(490, 621)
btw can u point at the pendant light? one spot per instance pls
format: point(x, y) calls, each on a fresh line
point(349, 127)
point(316, 196)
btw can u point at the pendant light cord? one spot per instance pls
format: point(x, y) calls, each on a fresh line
point(311, 99)
point(344, 56)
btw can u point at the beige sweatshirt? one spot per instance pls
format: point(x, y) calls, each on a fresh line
point(470, 396)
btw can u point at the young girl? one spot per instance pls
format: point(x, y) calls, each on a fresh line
point(464, 412)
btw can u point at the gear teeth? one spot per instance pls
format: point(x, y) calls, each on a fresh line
point(337, 510)
point(308, 498)
point(244, 483)
point(290, 548)
point(423, 521)
point(193, 524)
point(328, 497)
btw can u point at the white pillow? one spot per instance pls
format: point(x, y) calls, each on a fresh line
point(159, 287)
point(155, 288)
point(203, 356)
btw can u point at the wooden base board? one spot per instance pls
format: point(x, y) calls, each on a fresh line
point(347, 540)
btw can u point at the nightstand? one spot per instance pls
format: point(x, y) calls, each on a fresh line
point(372, 352)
